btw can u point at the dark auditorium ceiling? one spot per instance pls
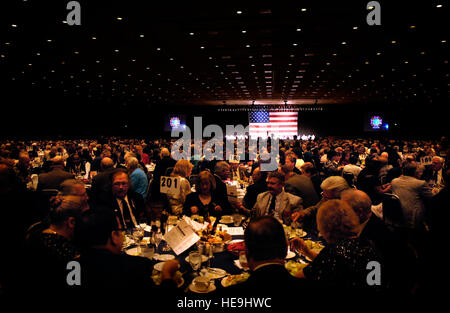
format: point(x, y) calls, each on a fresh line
point(218, 52)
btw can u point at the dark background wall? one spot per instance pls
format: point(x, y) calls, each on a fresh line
point(36, 118)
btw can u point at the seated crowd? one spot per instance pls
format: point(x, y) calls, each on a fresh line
point(369, 201)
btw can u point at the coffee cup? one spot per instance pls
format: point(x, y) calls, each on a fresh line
point(202, 283)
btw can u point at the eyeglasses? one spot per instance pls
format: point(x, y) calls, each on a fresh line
point(120, 184)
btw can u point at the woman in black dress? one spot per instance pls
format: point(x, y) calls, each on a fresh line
point(50, 247)
point(342, 264)
point(203, 202)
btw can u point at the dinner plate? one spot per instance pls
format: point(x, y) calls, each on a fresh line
point(235, 241)
point(211, 288)
point(225, 282)
point(290, 255)
point(163, 257)
point(204, 258)
point(215, 273)
point(132, 251)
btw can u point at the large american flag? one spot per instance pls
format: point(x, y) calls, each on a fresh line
point(281, 124)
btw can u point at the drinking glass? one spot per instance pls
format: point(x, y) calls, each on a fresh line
point(237, 218)
point(243, 260)
point(138, 235)
point(195, 259)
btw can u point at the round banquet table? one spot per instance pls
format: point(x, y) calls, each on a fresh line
point(223, 260)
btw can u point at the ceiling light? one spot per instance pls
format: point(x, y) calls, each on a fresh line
point(439, 6)
point(158, 49)
point(248, 46)
point(202, 47)
point(13, 25)
point(344, 43)
point(303, 9)
point(141, 35)
point(119, 18)
point(192, 34)
point(355, 27)
point(299, 29)
point(244, 31)
point(94, 38)
point(238, 12)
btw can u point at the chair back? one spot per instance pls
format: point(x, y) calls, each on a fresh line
point(392, 210)
point(35, 229)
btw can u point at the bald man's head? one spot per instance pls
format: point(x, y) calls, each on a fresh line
point(107, 163)
point(360, 203)
point(58, 161)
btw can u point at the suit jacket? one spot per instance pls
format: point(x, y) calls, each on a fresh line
point(109, 203)
point(221, 194)
point(430, 176)
point(105, 272)
point(285, 202)
point(160, 170)
point(412, 193)
point(101, 183)
point(275, 282)
point(302, 186)
point(53, 179)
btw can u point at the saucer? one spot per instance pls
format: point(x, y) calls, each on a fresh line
point(211, 288)
point(204, 258)
point(163, 257)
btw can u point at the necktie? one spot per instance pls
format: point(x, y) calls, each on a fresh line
point(272, 205)
point(127, 215)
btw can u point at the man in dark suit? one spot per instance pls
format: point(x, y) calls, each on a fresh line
point(398, 258)
point(161, 167)
point(128, 206)
point(433, 173)
point(54, 178)
point(267, 247)
point(106, 269)
point(101, 183)
point(300, 185)
point(259, 186)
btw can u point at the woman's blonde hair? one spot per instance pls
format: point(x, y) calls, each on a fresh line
point(337, 220)
point(207, 175)
point(182, 168)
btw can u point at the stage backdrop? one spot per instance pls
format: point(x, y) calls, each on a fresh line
point(280, 124)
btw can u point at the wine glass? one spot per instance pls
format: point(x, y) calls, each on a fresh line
point(138, 235)
point(195, 259)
